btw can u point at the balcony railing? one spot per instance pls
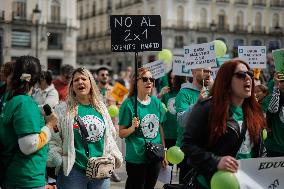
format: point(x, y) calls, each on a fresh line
point(258, 29)
point(222, 27)
point(276, 30)
point(177, 25)
point(203, 27)
point(259, 3)
point(201, 1)
point(277, 3)
point(222, 1)
point(241, 2)
point(240, 28)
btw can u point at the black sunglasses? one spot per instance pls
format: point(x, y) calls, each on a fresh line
point(242, 74)
point(146, 79)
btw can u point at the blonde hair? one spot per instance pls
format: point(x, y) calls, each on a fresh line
point(95, 95)
point(141, 72)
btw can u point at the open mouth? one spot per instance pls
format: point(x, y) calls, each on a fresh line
point(247, 87)
point(81, 88)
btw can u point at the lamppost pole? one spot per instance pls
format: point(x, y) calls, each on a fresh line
point(36, 13)
point(213, 28)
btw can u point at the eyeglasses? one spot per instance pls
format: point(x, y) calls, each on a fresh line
point(146, 79)
point(242, 74)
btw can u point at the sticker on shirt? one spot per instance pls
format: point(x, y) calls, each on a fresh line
point(281, 114)
point(150, 126)
point(246, 146)
point(95, 127)
point(171, 106)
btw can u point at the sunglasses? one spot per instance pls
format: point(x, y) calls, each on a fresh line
point(146, 79)
point(242, 75)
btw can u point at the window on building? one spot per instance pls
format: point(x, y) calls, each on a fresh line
point(239, 42)
point(1, 49)
point(55, 11)
point(201, 40)
point(179, 42)
point(222, 20)
point(94, 8)
point(258, 21)
point(21, 39)
point(240, 20)
point(203, 18)
point(256, 42)
point(180, 16)
point(55, 41)
point(274, 44)
point(19, 9)
point(54, 65)
point(275, 20)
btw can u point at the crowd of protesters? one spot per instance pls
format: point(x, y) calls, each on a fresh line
point(214, 122)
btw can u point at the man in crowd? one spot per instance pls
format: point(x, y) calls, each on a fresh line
point(61, 84)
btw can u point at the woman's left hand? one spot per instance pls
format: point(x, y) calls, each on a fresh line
point(165, 162)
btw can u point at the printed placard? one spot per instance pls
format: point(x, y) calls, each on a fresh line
point(200, 55)
point(261, 173)
point(255, 56)
point(157, 68)
point(278, 56)
point(180, 68)
point(135, 33)
point(118, 92)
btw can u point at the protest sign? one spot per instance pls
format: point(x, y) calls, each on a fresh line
point(261, 173)
point(135, 33)
point(255, 56)
point(223, 59)
point(118, 92)
point(200, 55)
point(157, 68)
point(179, 67)
point(278, 56)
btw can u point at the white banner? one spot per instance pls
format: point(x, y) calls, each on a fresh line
point(157, 68)
point(180, 68)
point(255, 56)
point(261, 173)
point(200, 55)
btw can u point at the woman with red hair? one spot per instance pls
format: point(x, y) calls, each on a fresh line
point(226, 126)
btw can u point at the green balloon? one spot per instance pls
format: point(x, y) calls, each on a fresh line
point(224, 180)
point(264, 134)
point(113, 110)
point(220, 48)
point(174, 155)
point(166, 56)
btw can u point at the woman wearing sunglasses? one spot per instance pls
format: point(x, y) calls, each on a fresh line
point(226, 126)
point(142, 173)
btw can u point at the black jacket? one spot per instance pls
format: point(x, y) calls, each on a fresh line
point(202, 158)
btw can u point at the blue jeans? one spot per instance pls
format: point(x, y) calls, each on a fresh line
point(78, 180)
point(11, 187)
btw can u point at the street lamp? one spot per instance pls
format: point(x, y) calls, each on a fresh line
point(213, 28)
point(36, 14)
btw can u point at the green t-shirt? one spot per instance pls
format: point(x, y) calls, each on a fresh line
point(185, 98)
point(170, 125)
point(20, 117)
point(275, 139)
point(245, 150)
point(95, 126)
point(265, 103)
point(150, 116)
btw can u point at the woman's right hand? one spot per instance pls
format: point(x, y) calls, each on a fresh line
point(228, 163)
point(135, 122)
point(51, 121)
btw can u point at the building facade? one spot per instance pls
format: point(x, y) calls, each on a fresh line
point(184, 22)
point(46, 29)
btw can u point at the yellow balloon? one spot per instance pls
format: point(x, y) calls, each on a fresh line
point(220, 48)
point(165, 55)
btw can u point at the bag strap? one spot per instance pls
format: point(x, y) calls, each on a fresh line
point(242, 136)
point(84, 134)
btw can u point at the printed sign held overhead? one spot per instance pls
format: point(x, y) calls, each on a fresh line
point(180, 68)
point(278, 56)
point(200, 55)
point(255, 56)
point(157, 68)
point(135, 33)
